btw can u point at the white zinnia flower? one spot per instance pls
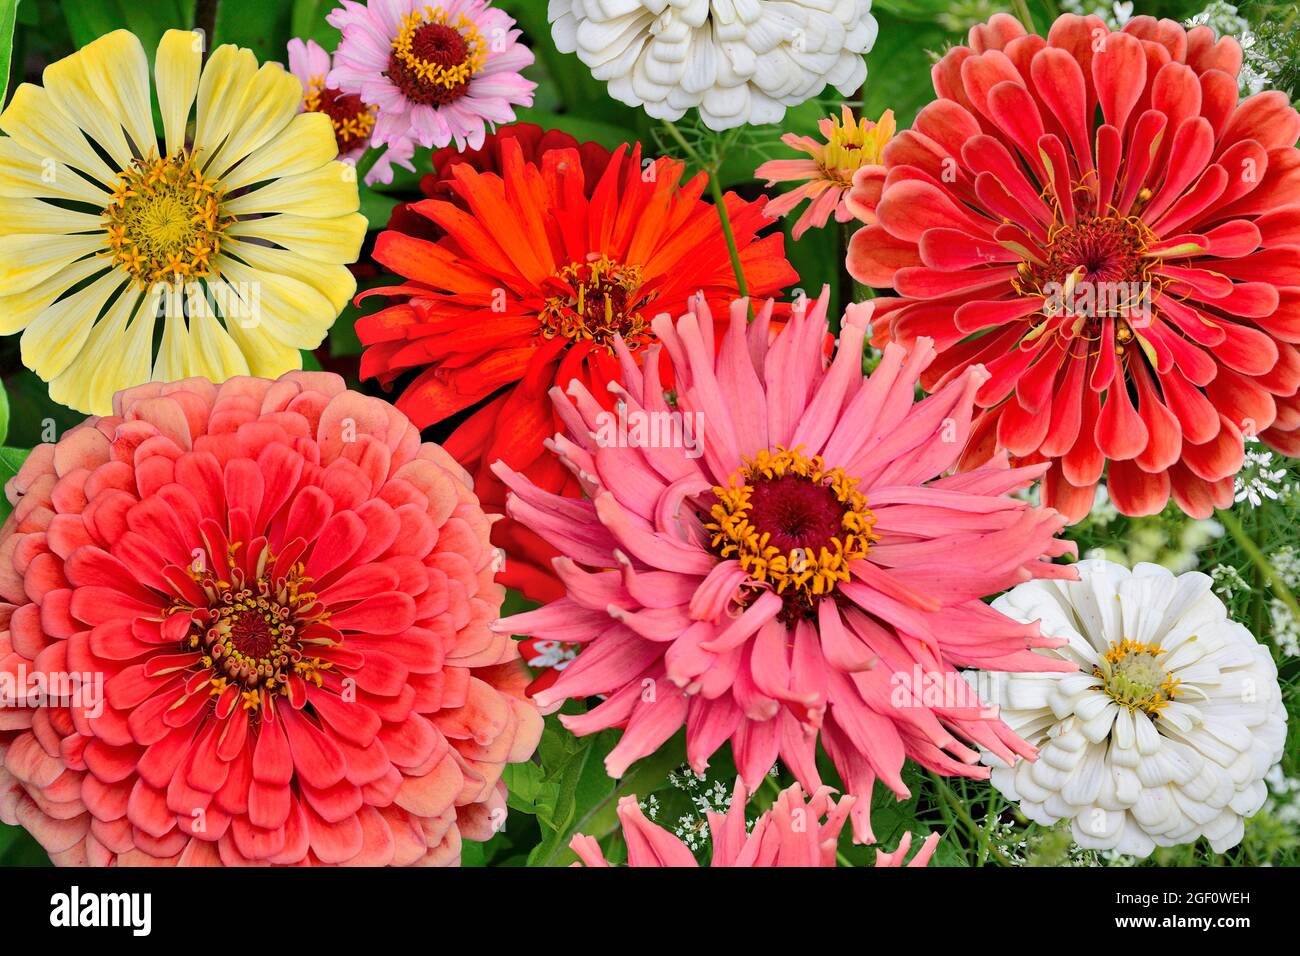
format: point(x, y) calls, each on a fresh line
point(738, 61)
point(1167, 730)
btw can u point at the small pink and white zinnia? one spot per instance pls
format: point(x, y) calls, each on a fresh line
point(796, 831)
point(801, 570)
point(436, 72)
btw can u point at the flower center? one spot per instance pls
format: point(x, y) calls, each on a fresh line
point(1135, 678)
point(853, 143)
point(164, 219)
point(434, 58)
point(600, 299)
point(1102, 249)
point(353, 119)
point(251, 633)
point(792, 523)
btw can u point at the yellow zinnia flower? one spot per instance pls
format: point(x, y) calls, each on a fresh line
point(234, 230)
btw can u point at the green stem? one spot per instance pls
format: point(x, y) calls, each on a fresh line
point(367, 162)
point(719, 203)
point(974, 828)
point(582, 822)
point(1257, 557)
point(1022, 11)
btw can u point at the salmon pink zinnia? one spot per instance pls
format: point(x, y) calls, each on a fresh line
point(287, 597)
point(791, 833)
point(801, 570)
point(1096, 218)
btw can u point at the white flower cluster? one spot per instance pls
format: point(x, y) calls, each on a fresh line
point(1164, 733)
point(737, 61)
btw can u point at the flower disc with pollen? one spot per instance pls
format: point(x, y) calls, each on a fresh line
point(435, 56)
point(792, 523)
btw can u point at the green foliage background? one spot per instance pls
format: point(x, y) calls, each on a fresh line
point(564, 788)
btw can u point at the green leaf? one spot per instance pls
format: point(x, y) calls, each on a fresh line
point(261, 26)
point(147, 19)
point(4, 405)
point(307, 22)
point(11, 459)
point(8, 15)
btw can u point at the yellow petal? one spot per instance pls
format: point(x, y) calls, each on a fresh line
point(175, 351)
point(54, 337)
point(323, 193)
point(110, 360)
point(37, 125)
point(221, 89)
point(216, 356)
point(334, 281)
point(118, 70)
point(287, 308)
point(24, 174)
point(34, 216)
point(307, 143)
point(266, 355)
point(16, 311)
point(324, 240)
point(27, 259)
point(272, 99)
point(66, 82)
point(176, 77)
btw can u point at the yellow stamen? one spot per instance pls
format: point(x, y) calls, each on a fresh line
point(798, 572)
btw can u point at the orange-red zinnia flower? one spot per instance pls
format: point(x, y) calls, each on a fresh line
point(1096, 219)
point(528, 290)
point(287, 597)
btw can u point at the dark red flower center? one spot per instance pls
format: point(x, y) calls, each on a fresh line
point(251, 625)
point(433, 59)
point(597, 301)
point(1107, 249)
point(795, 512)
point(793, 524)
point(353, 119)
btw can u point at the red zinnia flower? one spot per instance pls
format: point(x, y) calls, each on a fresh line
point(288, 599)
point(535, 143)
point(1097, 220)
point(528, 290)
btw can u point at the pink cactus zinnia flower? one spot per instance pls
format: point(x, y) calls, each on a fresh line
point(791, 833)
point(287, 597)
point(437, 73)
point(789, 561)
point(1096, 218)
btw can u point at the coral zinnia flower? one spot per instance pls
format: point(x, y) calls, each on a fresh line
point(826, 177)
point(287, 597)
point(800, 574)
point(534, 142)
point(1166, 732)
point(1096, 219)
point(791, 833)
point(437, 72)
point(530, 287)
point(236, 231)
point(739, 62)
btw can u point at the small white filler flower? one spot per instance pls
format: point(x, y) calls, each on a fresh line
point(738, 61)
point(1168, 728)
